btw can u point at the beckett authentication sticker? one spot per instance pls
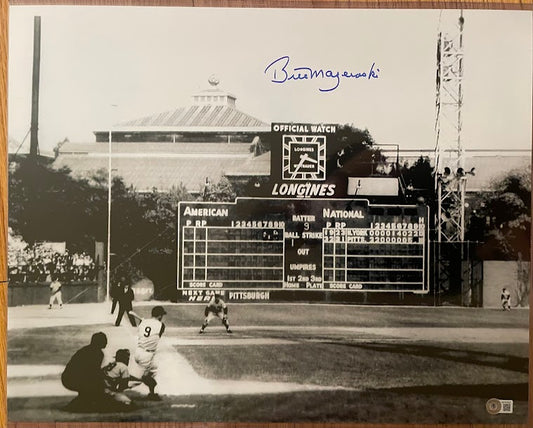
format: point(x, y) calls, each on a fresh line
point(494, 406)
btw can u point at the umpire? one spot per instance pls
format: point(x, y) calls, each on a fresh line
point(116, 289)
point(125, 299)
point(84, 375)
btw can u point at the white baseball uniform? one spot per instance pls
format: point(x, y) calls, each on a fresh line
point(150, 331)
point(55, 293)
point(115, 373)
point(215, 309)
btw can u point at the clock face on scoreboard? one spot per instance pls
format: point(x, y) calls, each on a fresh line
point(304, 157)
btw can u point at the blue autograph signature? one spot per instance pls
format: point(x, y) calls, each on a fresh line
point(279, 72)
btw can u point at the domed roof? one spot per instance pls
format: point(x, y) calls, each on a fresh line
point(211, 110)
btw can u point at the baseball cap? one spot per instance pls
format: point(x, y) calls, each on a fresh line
point(122, 353)
point(158, 310)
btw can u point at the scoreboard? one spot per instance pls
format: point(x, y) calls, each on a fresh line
point(255, 246)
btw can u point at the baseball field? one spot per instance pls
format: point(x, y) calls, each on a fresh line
point(287, 363)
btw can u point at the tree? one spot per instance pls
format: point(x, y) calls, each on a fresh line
point(506, 209)
point(350, 152)
point(50, 205)
point(523, 282)
point(144, 238)
point(222, 191)
point(418, 180)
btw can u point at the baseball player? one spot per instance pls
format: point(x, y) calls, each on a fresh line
point(55, 293)
point(150, 331)
point(216, 308)
point(506, 299)
point(117, 377)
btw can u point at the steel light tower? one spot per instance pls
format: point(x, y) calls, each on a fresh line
point(452, 270)
point(450, 177)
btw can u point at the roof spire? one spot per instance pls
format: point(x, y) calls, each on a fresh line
point(213, 80)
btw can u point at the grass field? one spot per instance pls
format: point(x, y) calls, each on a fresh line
point(289, 363)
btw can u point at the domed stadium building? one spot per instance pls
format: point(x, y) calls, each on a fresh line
point(190, 145)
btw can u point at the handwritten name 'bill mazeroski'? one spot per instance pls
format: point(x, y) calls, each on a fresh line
point(279, 71)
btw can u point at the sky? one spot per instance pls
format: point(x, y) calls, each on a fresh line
point(103, 65)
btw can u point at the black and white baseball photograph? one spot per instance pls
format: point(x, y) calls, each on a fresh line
point(269, 215)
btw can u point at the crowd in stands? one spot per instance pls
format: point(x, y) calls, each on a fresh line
point(42, 264)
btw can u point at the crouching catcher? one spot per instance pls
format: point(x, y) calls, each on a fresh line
point(117, 377)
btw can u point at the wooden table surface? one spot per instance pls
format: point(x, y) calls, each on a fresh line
point(414, 4)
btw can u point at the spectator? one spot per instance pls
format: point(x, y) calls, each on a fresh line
point(39, 263)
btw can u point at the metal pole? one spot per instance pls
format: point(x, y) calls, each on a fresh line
point(439, 209)
point(462, 190)
point(434, 271)
point(460, 54)
point(109, 183)
point(34, 137)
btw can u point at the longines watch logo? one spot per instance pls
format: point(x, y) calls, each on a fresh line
point(304, 157)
